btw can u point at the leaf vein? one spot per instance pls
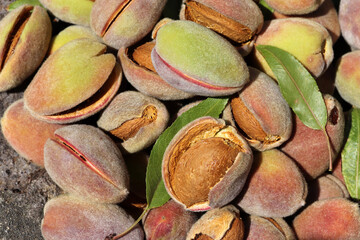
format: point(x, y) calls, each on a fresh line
point(298, 88)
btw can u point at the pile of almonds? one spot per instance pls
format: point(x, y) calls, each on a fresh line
point(108, 84)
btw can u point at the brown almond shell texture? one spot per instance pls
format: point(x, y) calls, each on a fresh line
point(220, 223)
point(238, 21)
point(135, 118)
point(206, 164)
point(262, 113)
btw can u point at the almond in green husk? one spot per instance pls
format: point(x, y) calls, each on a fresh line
point(25, 35)
point(75, 82)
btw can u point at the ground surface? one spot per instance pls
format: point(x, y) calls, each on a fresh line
point(24, 188)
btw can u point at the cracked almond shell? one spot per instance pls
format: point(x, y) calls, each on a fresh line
point(220, 223)
point(85, 162)
point(25, 35)
point(75, 82)
point(123, 23)
point(141, 74)
point(194, 59)
point(137, 119)
point(206, 164)
point(262, 113)
point(67, 217)
point(236, 20)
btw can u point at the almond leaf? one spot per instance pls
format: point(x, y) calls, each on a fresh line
point(156, 194)
point(18, 3)
point(350, 157)
point(297, 86)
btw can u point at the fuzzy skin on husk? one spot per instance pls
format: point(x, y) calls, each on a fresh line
point(268, 229)
point(296, 7)
point(124, 28)
point(326, 15)
point(70, 76)
point(130, 105)
point(75, 12)
point(325, 187)
point(26, 134)
point(194, 59)
point(275, 186)
point(99, 173)
point(336, 218)
point(170, 221)
point(147, 81)
point(349, 19)
point(29, 51)
point(308, 147)
point(267, 107)
point(67, 217)
point(307, 40)
point(347, 78)
point(71, 33)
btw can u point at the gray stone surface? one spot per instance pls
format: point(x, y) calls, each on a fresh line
point(24, 188)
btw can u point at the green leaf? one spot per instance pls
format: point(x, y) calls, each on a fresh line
point(297, 86)
point(350, 157)
point(18, 3)
point(156, 193)
point(266, 10)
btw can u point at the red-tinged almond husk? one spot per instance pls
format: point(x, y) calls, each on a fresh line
point(85, 162)
point(67, 217)
point(26, 134)
point(24, 39)
point(75, 82)
point(123, 23)
point(139, 71)
point(261, 112)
